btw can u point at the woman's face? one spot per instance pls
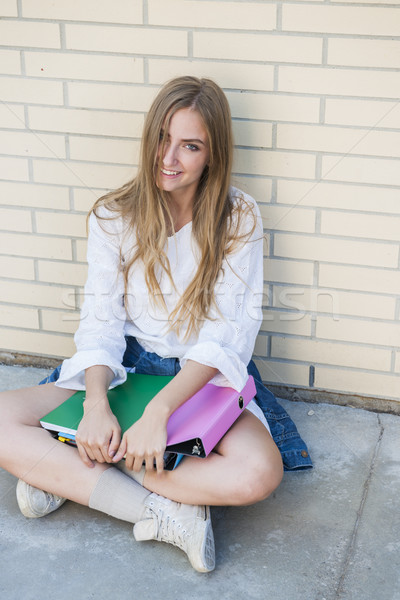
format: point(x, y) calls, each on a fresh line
point(186, 153)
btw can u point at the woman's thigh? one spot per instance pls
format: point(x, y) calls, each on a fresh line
point(253, 464)
point(247, 435)
point(26, 406)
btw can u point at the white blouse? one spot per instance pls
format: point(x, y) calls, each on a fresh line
point(226, 338)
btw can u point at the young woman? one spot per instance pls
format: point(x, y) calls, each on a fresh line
point(175, 278)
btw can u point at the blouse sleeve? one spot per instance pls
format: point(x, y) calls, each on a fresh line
point(226, 340)
point(100, 337)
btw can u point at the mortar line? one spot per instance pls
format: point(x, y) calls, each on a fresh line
point(351, 547)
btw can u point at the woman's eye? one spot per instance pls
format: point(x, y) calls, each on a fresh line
point(192, 147)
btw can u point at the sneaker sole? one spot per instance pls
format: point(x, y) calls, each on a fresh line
point(22, 493)
point(207, 563)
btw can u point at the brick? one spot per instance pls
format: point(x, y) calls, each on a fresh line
point(62, 272)
point(340, 19)
point(81, 174)
point(397, 363)
point(71, 65)
point(15, 316)
point(367, 113)
point(261, 47)
point(264, 162)
point(10, 62)
point(35, 246)
point(337, 195)
point(288, 218)
point(36, 196)
point(328, 353)
point(274, 107)
point(247, 133)
point(260, 347)
point(11, 116)
point(361, 170)
point(82, 121)
point(9, 8)
point(364, 53)
point(338, 139)
point(113, 96)
point(31, 91)
point(104, 150)
point(284, 373)
point(275, 321)
point(336, 250)
point(35, 294)
point(376, 227)
point(226, 74)
point(32, 144)
point(60, 322)
point(14, 168)
point(339, 82)
point(334, 302)
point(383, 281)
point(358, 382)
point(377, 333)
point(37, 343)
point(58, 223)
point(208, 14)
point(144, 41)
point(81, 250)
point(260, 189)
point(29, 33)
point(288, 271)
point(124, 11)
point(387, 2)
point(15, 220)
point(17, 268)
point(84, 198)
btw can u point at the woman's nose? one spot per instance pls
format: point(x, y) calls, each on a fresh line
point(170, 155)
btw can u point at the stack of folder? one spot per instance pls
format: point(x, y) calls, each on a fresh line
point(193, 429)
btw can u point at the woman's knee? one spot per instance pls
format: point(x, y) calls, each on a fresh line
point(259, 477)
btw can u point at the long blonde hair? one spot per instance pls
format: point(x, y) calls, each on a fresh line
point(216, 219)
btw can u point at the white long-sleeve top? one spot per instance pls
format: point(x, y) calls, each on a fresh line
point(226, 339)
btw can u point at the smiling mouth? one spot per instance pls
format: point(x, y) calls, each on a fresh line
point(166, 172)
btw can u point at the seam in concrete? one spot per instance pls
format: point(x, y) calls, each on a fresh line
point(351, 547)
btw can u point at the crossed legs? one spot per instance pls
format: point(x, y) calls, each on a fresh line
point(244, 468)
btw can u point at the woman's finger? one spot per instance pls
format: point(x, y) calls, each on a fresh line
point(114, 444)
point(160, 462)
point(121, 451)
point(137, 463)
point(84, 456)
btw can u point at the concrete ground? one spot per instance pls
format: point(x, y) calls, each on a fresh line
point(329, 533)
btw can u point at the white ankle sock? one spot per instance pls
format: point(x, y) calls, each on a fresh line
point(120, 496)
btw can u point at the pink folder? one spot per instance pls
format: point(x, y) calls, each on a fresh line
point(198, 424)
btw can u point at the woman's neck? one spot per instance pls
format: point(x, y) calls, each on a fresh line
point(181, 211)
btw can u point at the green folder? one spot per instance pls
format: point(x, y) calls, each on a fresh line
point(127, 402)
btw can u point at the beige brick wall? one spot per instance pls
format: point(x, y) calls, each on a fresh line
point(314, 90)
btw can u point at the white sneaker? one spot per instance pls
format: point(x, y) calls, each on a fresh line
point(35, 503)
point(183, 525)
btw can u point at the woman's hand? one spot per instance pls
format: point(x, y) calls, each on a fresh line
point(144, 441)
point(99, 434)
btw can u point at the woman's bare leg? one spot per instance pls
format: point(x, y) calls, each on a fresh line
point(245, 467)
point(30, 453)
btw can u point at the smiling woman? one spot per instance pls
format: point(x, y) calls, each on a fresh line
point(184, 154)
point(174, 287)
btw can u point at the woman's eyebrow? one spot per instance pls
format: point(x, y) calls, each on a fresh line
point(194, 140)
point(198, 140)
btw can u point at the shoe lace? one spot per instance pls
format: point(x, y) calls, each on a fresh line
point(170, 530)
